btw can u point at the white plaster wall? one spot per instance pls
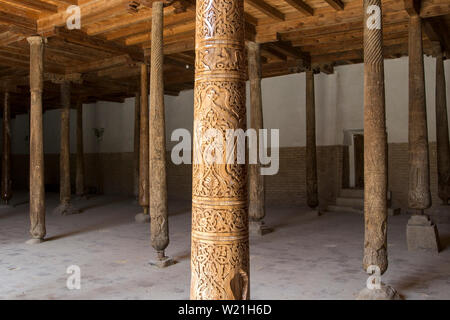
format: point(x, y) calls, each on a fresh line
point(339, 105)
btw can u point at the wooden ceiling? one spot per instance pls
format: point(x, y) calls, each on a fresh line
point(104, 56)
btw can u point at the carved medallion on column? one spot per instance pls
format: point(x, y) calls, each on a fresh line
point(220, 246)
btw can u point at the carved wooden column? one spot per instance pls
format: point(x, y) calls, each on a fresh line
point(312, 192)
point(158, 183)
point(37, 189)
point(144, 188)
point(6, 156)
point(443, 146)
point(375, 153)
point(65, 207)
point(137, 128)
point(257, 208)
point(80, 185)
point(220, 241)
point(421, 231)
point(375, 145)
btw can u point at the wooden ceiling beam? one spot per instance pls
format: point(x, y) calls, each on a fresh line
point(336, 4)
point(266, 9)
point(301, 6)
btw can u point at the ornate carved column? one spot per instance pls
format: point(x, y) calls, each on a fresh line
point(6, 156)
point(37, 189)
point(220, 245)
point(80, 185)
point(257, 208)
point(312, 192)
point(144, 188)
point(421, 231)
point(443, 146)
point(65, 207)
point(158, 183)
point(137, 128)
point(375, 153)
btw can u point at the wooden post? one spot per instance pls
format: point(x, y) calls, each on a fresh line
point(80, 186)
point(6, 156)
point(137, 128)
point(375, 153)
point(419, 171)
point(312, 195)
point(220, 238)
point(421, 231)
point(443, 145)
point(37, 189)
point(65, 208)
point(158, 183)
point(257, 208)
point(144, 188)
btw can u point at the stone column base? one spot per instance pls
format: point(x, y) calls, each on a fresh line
point(422, 234)
point(162, 263)
point(65, 210)
point(259, 228)
point(142, 218)
point(34, 241)
point(385, 293)
point(441, 214)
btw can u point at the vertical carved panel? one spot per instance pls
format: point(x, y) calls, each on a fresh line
point(375, 141)
point(220, 246)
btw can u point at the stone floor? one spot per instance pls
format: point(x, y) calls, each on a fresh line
point(306, 257)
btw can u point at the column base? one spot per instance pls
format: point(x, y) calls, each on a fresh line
point(142, 218)
point(384, 293)
point(259, 228)
point(441, 214)
point(315, 212)
point(81, 197)
point(34, 241)
point(65, 210)
point(162, 263)
point(422, 234)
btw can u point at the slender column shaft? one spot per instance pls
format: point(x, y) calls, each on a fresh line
point(144, 190)
point(158, 184)
point(37, 190)
point(137, 128)
point(80, 186)
point(64, 157)
point(257, 210)
point(220, 237)
point(419, 168)
point(443, 146)
point(312, 195)
point(375, 143)
point(6, 156)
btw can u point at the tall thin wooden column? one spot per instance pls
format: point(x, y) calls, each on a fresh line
point(257, 208)
point(80, 182)
point(144, 186)
point(65, 193)
point(375, 153)
point(312, 193)
point(443, 145)
point(220, 238)
point(421, 231)
point(37, 189)
point(137, 128)
point(6, 156)
point(158, 183)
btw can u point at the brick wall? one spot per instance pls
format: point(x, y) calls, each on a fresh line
point(288, 187)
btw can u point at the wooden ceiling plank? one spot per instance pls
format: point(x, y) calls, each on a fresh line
point(267, 9)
